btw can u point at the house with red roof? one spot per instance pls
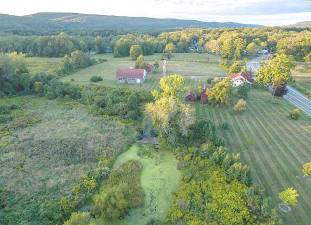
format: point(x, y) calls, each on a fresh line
point(131, 75)
point(241, 78)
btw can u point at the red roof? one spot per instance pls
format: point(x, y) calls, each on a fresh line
point(130, 73)
point(246, 75)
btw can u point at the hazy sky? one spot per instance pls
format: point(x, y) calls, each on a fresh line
point(266, 12)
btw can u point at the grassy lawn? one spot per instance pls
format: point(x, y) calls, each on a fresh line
point(194, 66)
point(302, 76)
point(159, 180)
point(46, 148)
point(273, 145)
point(42, 64)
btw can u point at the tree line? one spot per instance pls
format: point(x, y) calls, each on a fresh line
point(230, 44)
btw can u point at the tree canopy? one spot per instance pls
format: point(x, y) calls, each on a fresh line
point(279, 68)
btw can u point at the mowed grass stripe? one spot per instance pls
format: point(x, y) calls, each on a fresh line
point(266, 163)
point(289, 128)
point(290, 152)
point(287, 160)
point(268, 170)
point(273, 145)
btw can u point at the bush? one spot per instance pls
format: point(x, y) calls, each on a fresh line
point(225, 126)
point(82, 218)
point(242, 91)
point(294, 114)
point(96, 79)
point(122, 192)
point(240, 105)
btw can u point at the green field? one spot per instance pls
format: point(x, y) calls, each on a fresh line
point(302, 76)
point(193, 66)
point(274, 146)
point(42, 64)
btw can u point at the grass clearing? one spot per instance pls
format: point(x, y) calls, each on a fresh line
point(274, 146)
point(42, 64)
point(159, 180)
point(302, 76)
point(191, 65)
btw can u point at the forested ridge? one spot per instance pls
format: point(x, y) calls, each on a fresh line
point(40, 23)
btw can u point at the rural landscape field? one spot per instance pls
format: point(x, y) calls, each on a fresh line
point(131, 120)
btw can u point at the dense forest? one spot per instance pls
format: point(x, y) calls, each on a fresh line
point(230, 44)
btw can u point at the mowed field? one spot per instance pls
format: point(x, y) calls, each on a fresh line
point(274, 146)
point(194, 66)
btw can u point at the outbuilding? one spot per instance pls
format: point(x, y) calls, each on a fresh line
point(131, 75)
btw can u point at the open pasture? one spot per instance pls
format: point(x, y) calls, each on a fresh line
point(190, 65)
point(274, 146)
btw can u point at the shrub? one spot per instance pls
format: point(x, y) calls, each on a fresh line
point(121, 193)
point(295, 114)
point(82, 218)
point(289, 196)
point(307, 169)
point(242, 91)
point(96, 79)
point(225, 126)
point(240, 105)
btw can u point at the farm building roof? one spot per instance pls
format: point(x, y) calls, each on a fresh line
point(130, 73)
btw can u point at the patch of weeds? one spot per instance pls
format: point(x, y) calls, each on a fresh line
point(4, 144)
point(146, 151)
point(5, 118)
point(7, 109)
point(24, 120)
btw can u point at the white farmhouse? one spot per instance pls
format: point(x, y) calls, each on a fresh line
point(242, 78)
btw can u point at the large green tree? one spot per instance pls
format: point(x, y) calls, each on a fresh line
point(220, 92)
point(135, 51)
point(170, 115)
point(279, 68)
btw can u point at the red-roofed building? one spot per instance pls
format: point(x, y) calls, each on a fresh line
point(131, 75)
point(239, 79)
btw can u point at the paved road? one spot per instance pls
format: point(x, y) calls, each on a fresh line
point(254, 64)
point(299, 100)
point(293, 96)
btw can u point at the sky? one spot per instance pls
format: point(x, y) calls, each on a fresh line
point(264, 12)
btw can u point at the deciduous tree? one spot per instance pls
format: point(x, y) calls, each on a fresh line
point(135, 51)
point(289, 196)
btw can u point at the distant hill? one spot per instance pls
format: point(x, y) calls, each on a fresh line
point(304, 24)
point(75, 21)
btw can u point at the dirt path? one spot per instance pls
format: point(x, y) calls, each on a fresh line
point(159, 180)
